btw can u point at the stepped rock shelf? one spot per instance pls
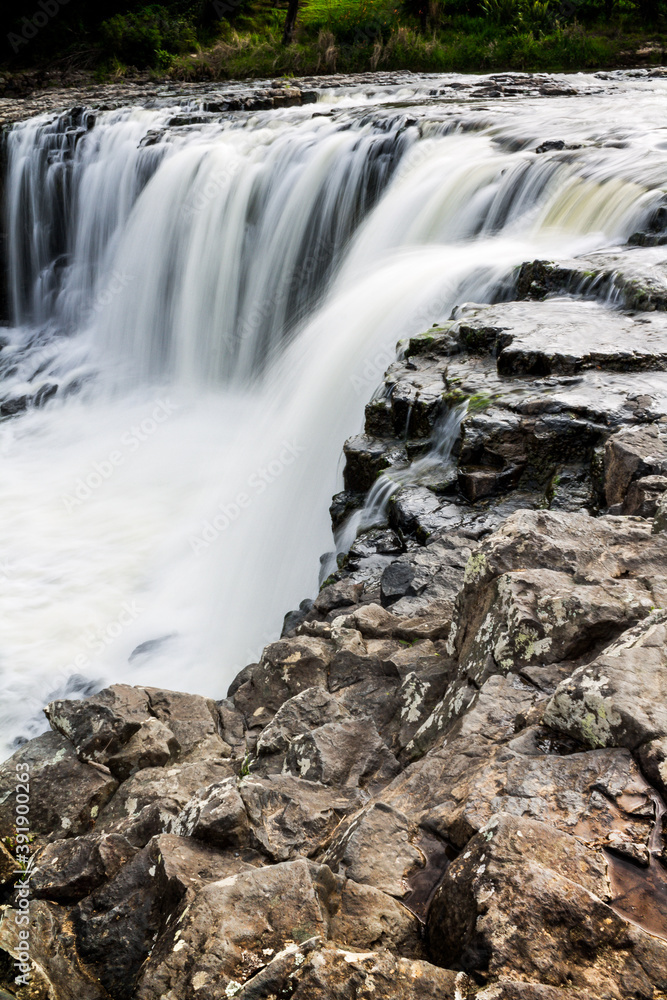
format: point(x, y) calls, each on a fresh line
point(446, 779)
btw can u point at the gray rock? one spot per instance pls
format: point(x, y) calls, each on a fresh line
point(191, 718)
point(66, 794)
point(256, 929)
point(152, 745)
point(375, 848)
point(286, 668)
point(633, 453)
point(305, 711)
point(644, 495)
point(56, 968)
point(148, 802)
point(117, 925)
point(620, 699)
point(347, 752)
point(100, 725)
point(67, 870)
point(525, 901)
point(281, 816)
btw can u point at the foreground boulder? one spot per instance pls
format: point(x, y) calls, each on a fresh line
point(620, 699)
point(453, 794)
point(525, 900)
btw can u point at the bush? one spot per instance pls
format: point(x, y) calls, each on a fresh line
point(150, 36)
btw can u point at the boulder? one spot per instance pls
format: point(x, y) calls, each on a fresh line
point(67, 870)
point(620, 698)
point(66, 794)
point(247, 934)
point(148, 802)
point(152, 745)
point(348, 752)
point(308, 710)
point(525, 900)
point(315, 974)
point(286, 668)
point(633, 453)
point(553, 585)
point(191, 718)
point(281, 816)
point(100, 725)
point(375, 848)
point(644, 495)
point(117, 925)
point(55, 967)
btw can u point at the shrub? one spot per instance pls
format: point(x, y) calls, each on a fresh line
point(149, 36)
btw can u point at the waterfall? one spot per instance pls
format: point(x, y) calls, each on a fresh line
point(216, 303)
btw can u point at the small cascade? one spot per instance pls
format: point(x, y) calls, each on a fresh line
point(436, 463)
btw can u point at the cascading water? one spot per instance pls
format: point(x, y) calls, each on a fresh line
point(216, 304)
point(436, 462)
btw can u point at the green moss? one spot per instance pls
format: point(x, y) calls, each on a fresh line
point(479, 402)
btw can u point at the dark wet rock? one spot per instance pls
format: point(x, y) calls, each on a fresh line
point(522, 900)
point(281, 816)
point(148, 802)
point(347, 752)
point(550, 145)
point(374, 542)
point(306, 711)
point(344, 504)
point(417, 510)
point(67, 870)
point(426, 575)
point(67, 794)
point(633, 453)
point(544, 338)
point(366, 458)
point(56, 967)
point(638, 277)
point(237, 928)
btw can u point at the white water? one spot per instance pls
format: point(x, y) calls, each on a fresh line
point(226, 302)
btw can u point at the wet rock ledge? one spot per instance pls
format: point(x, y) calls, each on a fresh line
point(446, 780)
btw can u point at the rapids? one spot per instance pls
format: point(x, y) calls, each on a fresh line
point(216, 304)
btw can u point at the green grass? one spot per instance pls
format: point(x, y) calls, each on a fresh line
point(463, 45)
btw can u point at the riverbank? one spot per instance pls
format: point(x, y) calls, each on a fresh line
point(257, 52)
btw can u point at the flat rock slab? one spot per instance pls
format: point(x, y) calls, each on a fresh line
point(635, 277)
point(564, 336)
